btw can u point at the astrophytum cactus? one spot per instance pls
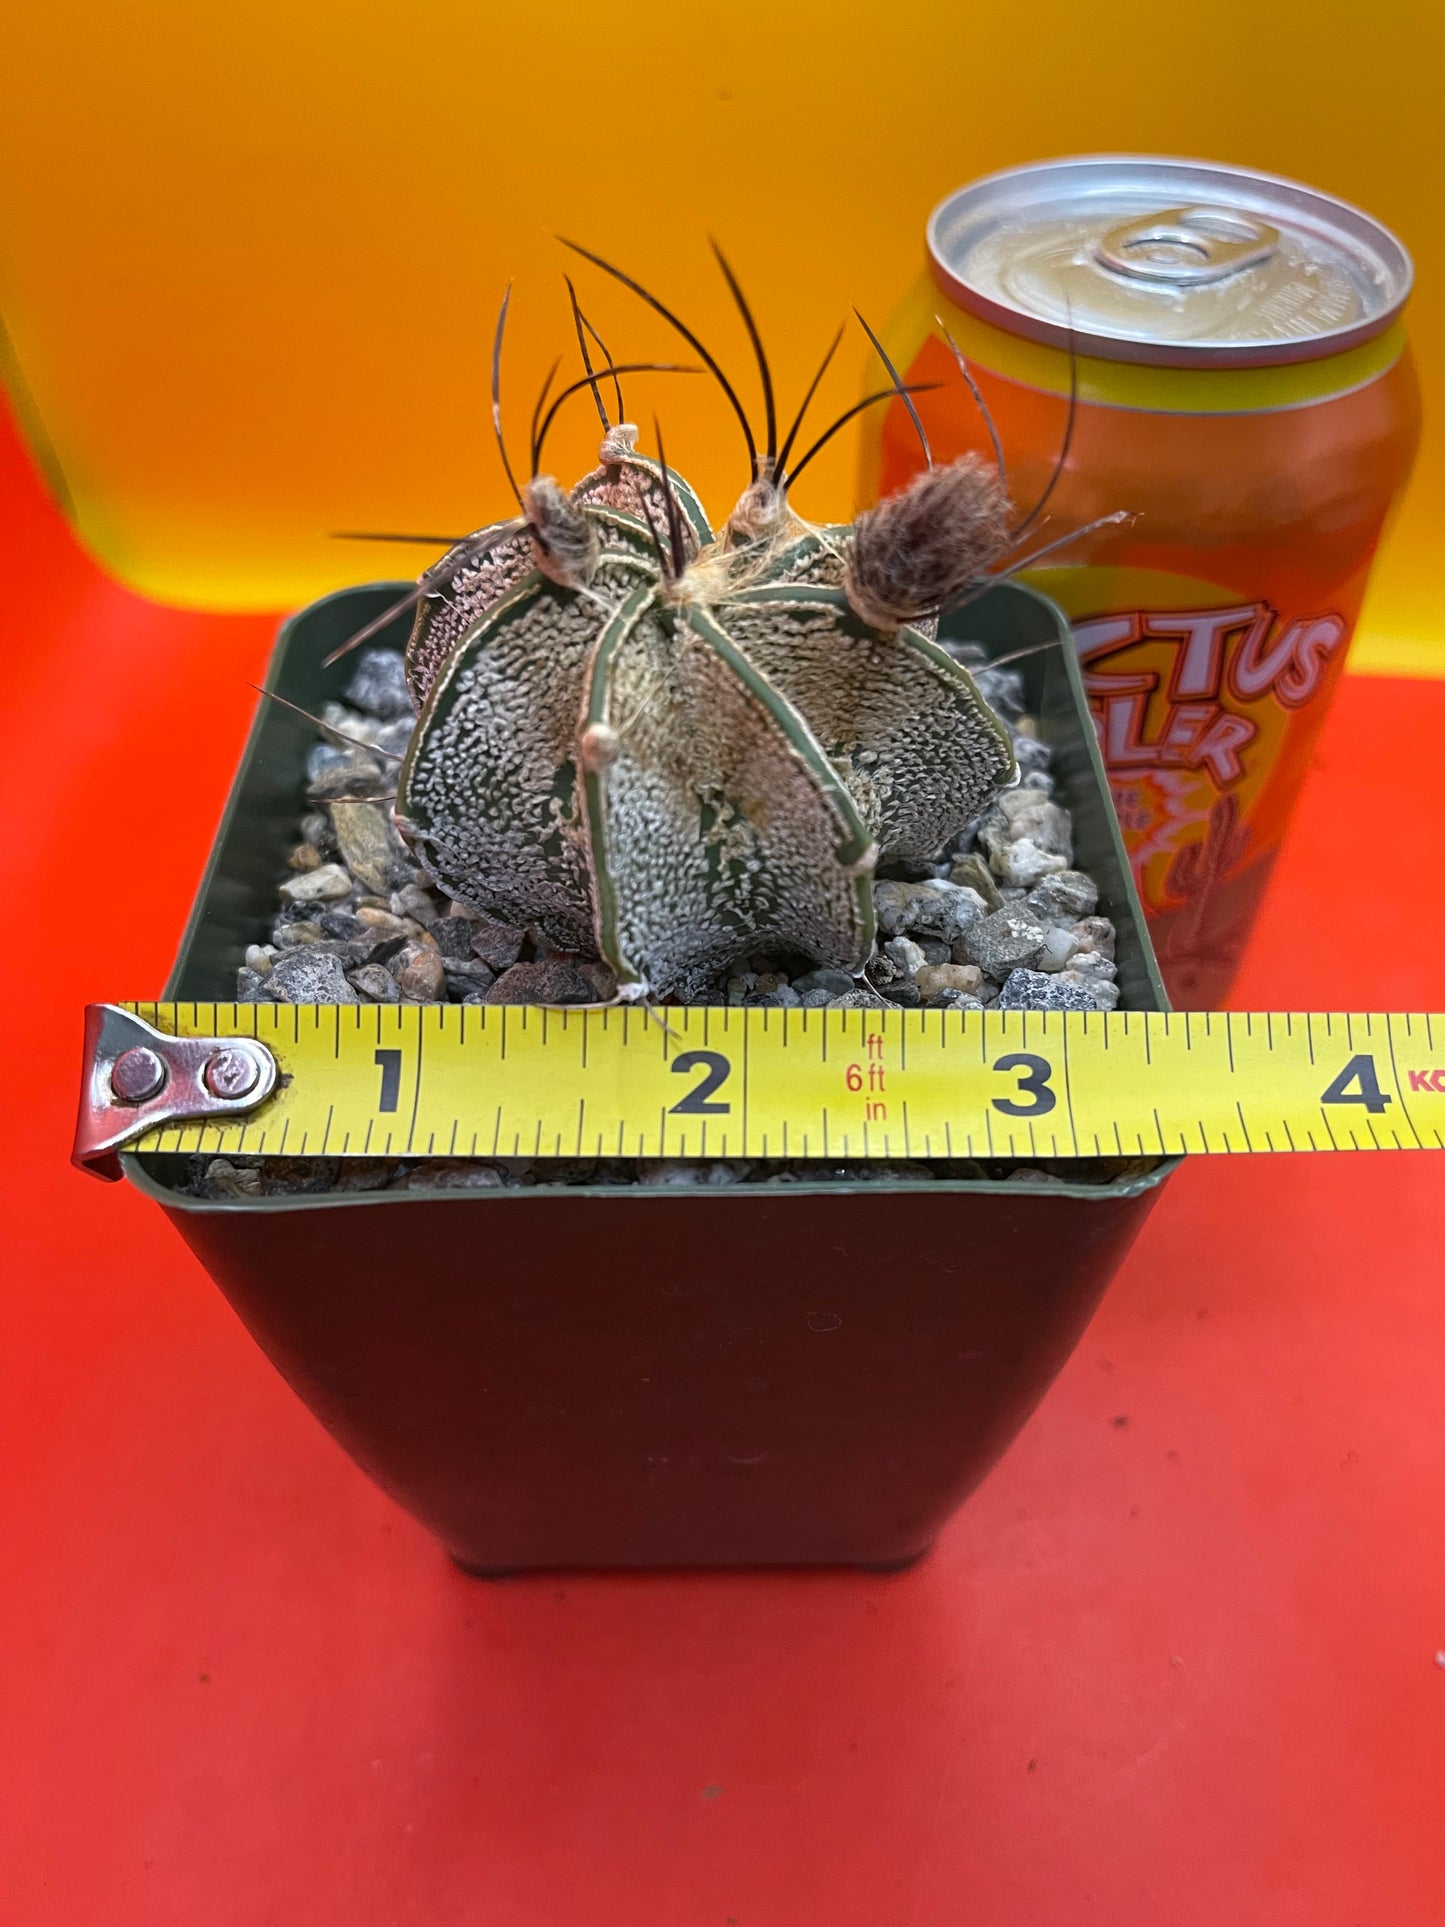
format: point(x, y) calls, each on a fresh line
point(669, 747)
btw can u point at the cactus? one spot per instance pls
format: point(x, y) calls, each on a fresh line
point(671, 748)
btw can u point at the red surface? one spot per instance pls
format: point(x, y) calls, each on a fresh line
point(1173, 1667)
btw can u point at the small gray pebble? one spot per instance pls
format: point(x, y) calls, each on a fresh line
point(413, 901)
point(497, 944)
point(309, 976)
point(479, 975)
point(1039, 780)
point(543, 983)
point(769, 980)
point(904, 993)
point(905, 869)
point(905, 956)
point(1025, 816)
point(452, 937)
point(858, 998)
point(1094, 966)
point(289, 931)
point(974, 872)
point(1002, 690)
point(816, 999)
point(783, 998)
point(1008, 940)
point(377, 985)
point(1096, 934)
point(461, 1176)
point(329, 884)
point(378, 684)
point(1103, 990)
point(933, 909)
point(370, 846)
point(342, 925)
point(316, 830)
point(349, 772)
point(1064, 897)
point(250, 988)
point(1021, 862)
point(321, 757)
point(837, 983)
point(395, 737)
point(1033, 990)
point(1032, 756)
point(671, 1171)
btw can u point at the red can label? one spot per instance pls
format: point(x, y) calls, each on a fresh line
point(1206, 713)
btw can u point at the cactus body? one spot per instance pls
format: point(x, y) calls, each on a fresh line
point(674, 770)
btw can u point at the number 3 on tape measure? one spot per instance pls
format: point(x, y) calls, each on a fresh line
point(1360, 1071)
point(1033, 1083)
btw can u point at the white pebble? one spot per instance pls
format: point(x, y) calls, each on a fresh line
point(327, 885)
point(1096, 934)
point(1023, 864)
point(906, 956)
point(1059, 946)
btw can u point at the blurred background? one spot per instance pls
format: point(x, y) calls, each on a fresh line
point(250, 259)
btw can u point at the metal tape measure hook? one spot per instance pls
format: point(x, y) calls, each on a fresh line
point(136, 1078)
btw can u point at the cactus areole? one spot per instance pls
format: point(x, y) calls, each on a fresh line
point(672, 748)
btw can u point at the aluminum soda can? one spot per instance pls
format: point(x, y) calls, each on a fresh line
point(1245, 390)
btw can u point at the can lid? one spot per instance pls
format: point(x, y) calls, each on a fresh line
point(1173, 262)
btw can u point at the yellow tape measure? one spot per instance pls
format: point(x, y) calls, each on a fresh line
point(524, 1081)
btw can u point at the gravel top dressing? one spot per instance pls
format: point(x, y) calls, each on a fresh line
point(1000, 917)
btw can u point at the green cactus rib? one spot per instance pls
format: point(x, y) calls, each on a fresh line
point(487, 788)
point(445, 616)
point(812, 556)
point(918, 747)
point(719, 824)
point(611, 486)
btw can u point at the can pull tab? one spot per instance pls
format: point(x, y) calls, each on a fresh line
point(1186, 246)
point(136, 1078)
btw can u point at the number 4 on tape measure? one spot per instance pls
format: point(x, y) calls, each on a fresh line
point(1360, 1071)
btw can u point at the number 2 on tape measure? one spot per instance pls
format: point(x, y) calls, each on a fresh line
point(716, 1070)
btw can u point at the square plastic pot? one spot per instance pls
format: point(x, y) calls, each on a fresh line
point(815, 1373)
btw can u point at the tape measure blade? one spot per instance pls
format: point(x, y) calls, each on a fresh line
point(771, 1083)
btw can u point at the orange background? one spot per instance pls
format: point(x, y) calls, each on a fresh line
point(251, 257)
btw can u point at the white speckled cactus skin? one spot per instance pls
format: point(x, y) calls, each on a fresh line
point(673, 767)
